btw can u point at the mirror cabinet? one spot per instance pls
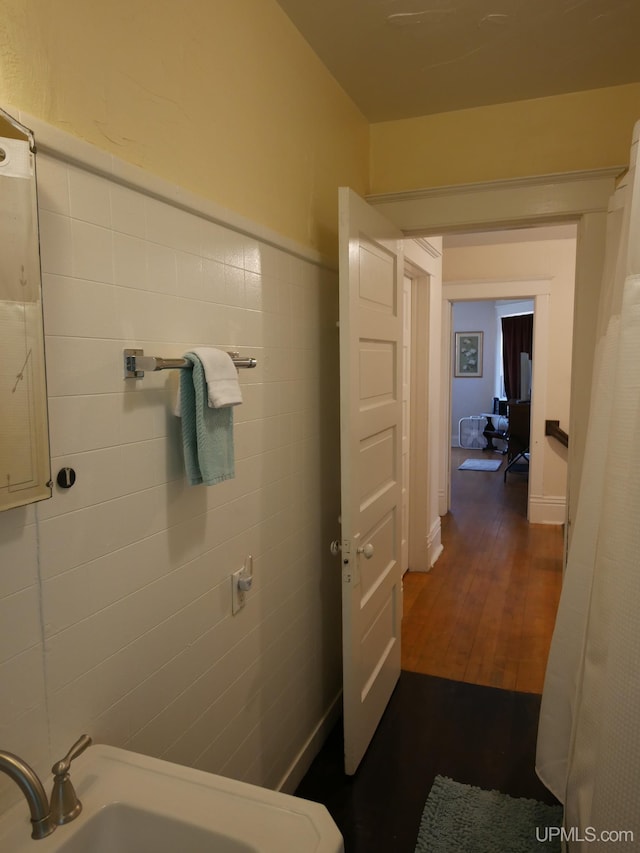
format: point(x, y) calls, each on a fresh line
point(25, 473)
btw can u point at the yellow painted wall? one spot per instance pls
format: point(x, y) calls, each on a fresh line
point(582, 130)
point(223, 97)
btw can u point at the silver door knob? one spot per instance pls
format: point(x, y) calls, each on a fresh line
point(366, 550)
point(335, 548)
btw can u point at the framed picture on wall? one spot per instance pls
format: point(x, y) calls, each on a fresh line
point(468, 355)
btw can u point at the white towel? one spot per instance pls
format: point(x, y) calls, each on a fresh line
point(221, 377)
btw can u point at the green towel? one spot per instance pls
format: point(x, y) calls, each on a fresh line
point(207, 434)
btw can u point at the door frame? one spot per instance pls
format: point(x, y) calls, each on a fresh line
point(423, 265)
point(540, 291)
point(580, 197)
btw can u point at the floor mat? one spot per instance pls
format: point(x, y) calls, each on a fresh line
point(460, 818)
point(480, 465)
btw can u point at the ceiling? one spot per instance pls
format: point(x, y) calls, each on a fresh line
point(403, 58)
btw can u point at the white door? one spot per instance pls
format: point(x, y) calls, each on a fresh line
point(371, 301)
point(406, 421)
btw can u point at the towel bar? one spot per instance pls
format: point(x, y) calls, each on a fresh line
point(136, 362)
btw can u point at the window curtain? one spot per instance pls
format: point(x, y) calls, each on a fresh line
point(589, 731)
point(517, 337)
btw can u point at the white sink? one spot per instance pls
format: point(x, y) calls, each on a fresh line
point(136, 804)
point(126, 829)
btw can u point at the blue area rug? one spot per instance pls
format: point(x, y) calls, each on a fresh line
point(460, 818)
point(480, 465)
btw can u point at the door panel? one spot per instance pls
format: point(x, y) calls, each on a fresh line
point(377, 466)
point(371, 356)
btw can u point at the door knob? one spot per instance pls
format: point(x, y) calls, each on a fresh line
point(335, 548)
point(366, 550)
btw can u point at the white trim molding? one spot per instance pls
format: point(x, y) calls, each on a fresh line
point(547, 509)
point(424, 267)
point(434, 542)
point(302, 762)
point(423, 243)
point(498, 204)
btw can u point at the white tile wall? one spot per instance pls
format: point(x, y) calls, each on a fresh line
point(115, 596)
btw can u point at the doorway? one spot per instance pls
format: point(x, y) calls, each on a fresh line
point(386, 225)
point(479, 397)
point(472, 264)
point(474, 612)
point(537, 264)
point(579, 197)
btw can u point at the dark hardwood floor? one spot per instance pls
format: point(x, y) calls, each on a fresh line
point(476, 633)
point(432, 726)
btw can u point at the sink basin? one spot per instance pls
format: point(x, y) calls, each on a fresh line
point(136, 804)
point(121, 828)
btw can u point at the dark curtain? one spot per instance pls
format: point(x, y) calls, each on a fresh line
point(517, 337)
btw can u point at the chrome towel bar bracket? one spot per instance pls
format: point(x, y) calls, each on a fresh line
point(136, 362)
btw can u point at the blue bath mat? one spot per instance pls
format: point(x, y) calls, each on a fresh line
point(460, 818)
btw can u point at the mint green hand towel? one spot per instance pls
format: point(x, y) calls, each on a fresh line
point(207, 434)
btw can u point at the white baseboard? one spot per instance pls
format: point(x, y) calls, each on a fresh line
point(434, 542)
point(312, 747)
point(547, 509)
point(423, 558)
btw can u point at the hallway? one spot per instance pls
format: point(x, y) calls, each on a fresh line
point(485, 612)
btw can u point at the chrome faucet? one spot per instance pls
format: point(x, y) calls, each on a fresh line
point(65, 806)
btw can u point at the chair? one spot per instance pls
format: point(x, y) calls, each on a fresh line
point(496, 427)
point(495, 430)
point(518, 436)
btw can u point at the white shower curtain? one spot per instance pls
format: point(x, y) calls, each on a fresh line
point(589, 732)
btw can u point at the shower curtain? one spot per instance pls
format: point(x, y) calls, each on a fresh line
point(589, 731)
